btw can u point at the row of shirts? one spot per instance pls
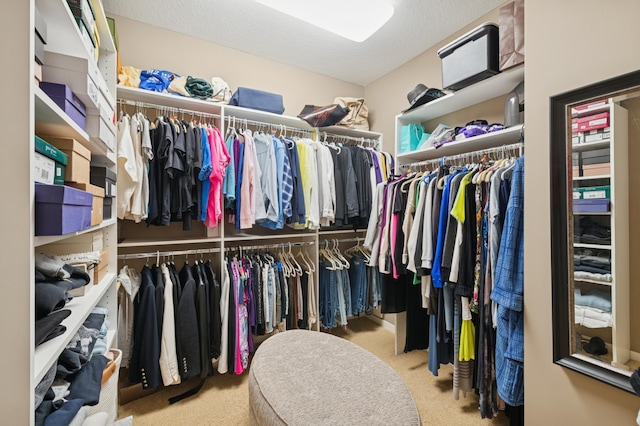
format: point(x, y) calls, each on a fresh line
point(457, 232)
point(259, 296)
point(170, 170)
point(273, 182)
point(174, 323)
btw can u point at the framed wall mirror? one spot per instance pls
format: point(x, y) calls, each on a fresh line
point(595, 229)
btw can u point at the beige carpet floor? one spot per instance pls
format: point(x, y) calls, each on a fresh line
point(223, 399)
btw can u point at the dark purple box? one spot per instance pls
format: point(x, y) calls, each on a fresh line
point(596, 205)
point(61, 209)
point(62, 95)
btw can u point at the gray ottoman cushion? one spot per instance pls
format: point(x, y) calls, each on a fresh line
point(302, 377)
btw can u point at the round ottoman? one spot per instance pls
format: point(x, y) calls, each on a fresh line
point(302, 377)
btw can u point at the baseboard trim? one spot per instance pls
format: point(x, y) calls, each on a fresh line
point(382, 322)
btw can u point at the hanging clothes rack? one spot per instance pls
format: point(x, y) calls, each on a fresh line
point(165, 108)
point(468, 156)
point(373, 143)
point(270, 246)
point(263, 124)
point(159, 254)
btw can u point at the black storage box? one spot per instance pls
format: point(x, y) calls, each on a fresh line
point(104, 178)
point(470, 58)
point(41, 36)
point(107, 205)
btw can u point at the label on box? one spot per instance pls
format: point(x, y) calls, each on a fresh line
point(576, 195)
point(44, 168)
point(593, 194)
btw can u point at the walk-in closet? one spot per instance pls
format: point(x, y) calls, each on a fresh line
point(266, 212)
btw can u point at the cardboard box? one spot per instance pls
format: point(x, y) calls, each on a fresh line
point(601, 169)
point(37, 71)
point(593, 122)
point(64, 97)
point(90, 241)
point(79, 167)
point(597, 135)
point(596, 156)
point(97, 211)
point(44, 168)
point(592, 192)
point(100, 126)
point(60, 158)
point(82, 12)
point(592, 206)
point(81, 291)
point(114, 33)
point(100, 271)
point(40, 25)
point(107, 207)
point(61, 209)
point(576, 171)
point(104, 178)
point(77, 73)
point(591, 105)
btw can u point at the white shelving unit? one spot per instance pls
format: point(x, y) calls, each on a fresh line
point(31, 112)
point(485, 90)
point(618, 221)
point(225, 236)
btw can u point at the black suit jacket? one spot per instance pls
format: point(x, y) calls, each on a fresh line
point(144, 366)
point(187, 335)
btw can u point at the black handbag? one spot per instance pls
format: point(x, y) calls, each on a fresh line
point(323, 116)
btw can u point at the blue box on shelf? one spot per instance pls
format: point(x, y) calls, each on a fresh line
point(594, 205)
point(61, 209)
point(62, 95)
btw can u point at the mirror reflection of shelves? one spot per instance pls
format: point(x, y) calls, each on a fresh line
point(600, 208)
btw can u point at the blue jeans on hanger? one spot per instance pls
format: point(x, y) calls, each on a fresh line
point(358, 276)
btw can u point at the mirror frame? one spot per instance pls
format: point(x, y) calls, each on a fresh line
point(559, 159)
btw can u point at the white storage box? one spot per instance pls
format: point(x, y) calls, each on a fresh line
point(78, 73)
point(100, 129)
point(44, 168)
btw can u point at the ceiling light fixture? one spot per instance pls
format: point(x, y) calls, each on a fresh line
point(355, 20)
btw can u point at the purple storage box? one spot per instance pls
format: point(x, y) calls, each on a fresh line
point(596, 205)
point(61, 209)
point(62, 95)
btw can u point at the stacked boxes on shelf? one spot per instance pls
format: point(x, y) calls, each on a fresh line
point(61, 209)
point(85, 18)
point(84, 79)
point(592, 199)
point(49, 164)
point(39, 41)
point(106, 179)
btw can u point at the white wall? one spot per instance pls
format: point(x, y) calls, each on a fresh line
point(147, 46)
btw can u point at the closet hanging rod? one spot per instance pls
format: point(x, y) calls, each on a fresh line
point(269, 246)
point(470, 154)
point(148, 105)
point(275, 126)
point(159, 254)
point(343, 240)
point(338, 138)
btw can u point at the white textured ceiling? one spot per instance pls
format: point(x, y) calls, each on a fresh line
point(248, 26)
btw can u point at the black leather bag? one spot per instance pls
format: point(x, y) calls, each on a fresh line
point(323, 116)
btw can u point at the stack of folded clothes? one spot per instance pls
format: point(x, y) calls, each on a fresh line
point(593, 309)
point(587, 231)
point(592, 265)
point(75, 381)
